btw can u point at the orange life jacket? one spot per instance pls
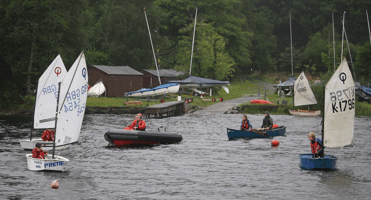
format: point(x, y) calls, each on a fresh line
point(245, 124)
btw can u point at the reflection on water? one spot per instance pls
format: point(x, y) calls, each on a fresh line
point(205, 165)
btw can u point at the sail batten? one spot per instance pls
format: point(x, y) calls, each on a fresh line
point(303, 93)
point(339, 109)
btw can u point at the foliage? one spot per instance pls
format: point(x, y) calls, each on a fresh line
point(363, 65)
point(234, 38)
point(210, 58)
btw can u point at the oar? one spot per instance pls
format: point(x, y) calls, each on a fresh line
point(259, 132)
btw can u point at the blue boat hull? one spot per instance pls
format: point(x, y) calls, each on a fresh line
point(326, 163)
point(237, 134)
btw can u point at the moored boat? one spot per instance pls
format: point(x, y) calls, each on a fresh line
point(305, 112)
point(120, 137)
point(237, 134)
point(170, 88)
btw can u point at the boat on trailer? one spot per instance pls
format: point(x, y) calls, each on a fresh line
point(338, 118)
point(120, 137)
point(45, 103)
point(234, 134)
point(170, 88)
point(70, 109)
point(303, 95)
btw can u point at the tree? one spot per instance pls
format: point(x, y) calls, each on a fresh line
point(363, 64)
point(210, 57)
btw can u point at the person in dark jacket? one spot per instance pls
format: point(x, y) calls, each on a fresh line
point(37, 152)
point(245, 124)
point(316, 145)
point(267, 121)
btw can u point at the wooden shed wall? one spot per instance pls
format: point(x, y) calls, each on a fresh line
point(116, 85)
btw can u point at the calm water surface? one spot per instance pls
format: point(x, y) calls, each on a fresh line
point(205, 165)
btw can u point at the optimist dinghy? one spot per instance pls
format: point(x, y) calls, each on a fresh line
point(303, 95)
point(46, 103)
point(71, 103)
point(338, 118)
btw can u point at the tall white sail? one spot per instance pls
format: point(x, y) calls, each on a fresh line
point(97, 89)
point(303, 93)
point(72, 103)
point(47, 94)
point(339, 109)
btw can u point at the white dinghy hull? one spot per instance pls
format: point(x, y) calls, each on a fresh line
point(28, 144)
point(59, 163)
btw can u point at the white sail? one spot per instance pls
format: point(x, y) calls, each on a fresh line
point(339, 108)
point(72, 103)
point(303, 93)
point(47, 94)
point(97, 89)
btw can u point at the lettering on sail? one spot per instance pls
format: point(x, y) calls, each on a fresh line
point(343, 100)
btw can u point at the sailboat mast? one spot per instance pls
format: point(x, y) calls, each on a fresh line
point(193, 42)
point(33, 116)
point(342, 38)
point(333, 38)
point(153, 50)
point(292, 61)
point(56, 119)
point(323, 118)
point(368, 23)
point(350, 55)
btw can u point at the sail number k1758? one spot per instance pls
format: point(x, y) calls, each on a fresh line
point(342, 100)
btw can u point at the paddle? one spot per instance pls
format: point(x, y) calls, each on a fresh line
point(259, 132)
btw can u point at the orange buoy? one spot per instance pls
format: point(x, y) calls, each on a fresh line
point(55, 184)
point(275, 143)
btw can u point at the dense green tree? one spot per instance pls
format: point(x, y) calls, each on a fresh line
point(210, 58)
point(362, 67)
point(33, 33)
point(224, 15)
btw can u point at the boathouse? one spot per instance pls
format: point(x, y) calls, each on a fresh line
point(116, 79)
point(150, 77)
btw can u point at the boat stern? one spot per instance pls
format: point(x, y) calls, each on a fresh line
point(59, 163)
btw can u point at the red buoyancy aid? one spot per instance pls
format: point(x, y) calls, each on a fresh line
point(48, 135)
point(141, 124)
point(38, 153)
point(245, 124)
point(315, 146)
point(275, 126)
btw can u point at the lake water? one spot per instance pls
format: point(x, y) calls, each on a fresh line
point(205, 165)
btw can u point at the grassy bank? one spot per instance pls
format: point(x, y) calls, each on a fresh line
point(237, 89)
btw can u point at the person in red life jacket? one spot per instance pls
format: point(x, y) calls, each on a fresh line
point(316, 145)
point(245, 124)
point(37, 152)
point(137, 124)
point(48, 135)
